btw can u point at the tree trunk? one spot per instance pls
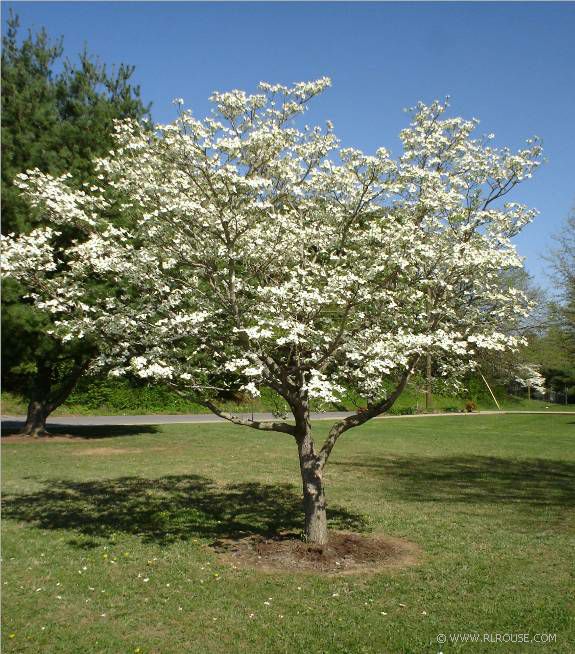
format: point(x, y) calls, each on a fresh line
point(313, 493)
point(46, 399)
point(36, 419)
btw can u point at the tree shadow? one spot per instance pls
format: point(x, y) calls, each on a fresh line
point(477, 479)
point(169, 509)
point(11, 428)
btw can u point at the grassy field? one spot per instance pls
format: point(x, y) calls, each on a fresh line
point(106, 539)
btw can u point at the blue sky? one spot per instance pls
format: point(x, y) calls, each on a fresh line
point(512, 65)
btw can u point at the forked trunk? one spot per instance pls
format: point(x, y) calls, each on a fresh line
point(313, 493)
point(36, 419)
point(46, 398)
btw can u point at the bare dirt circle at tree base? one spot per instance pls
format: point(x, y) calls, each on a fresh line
point(345, 553)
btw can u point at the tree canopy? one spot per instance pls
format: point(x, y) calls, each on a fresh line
point(57, 115)
point(254, 246)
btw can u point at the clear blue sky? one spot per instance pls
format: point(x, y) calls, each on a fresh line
point(512, 65)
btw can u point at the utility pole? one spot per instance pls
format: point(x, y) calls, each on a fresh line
point(428, 395)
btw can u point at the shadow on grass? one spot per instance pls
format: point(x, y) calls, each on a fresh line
point(477, 479)
point(167, 509)
point(11, 428)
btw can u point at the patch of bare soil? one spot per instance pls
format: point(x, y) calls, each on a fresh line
point(85, 451)
point(110, 451)
point(345, 553)
point(51, 438)
point(107, 451)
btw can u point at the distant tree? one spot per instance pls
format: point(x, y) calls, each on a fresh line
point(553, 346)
point(562, 262)
point(268, 251)
point(517, 366)
point(57, 116)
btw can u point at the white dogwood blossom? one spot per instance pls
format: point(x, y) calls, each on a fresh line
point(247, 237)
point(530, 377)
point(251, 246)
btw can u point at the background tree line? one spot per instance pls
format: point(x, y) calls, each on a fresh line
point(57, 115)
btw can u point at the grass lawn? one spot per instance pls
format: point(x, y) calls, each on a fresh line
point(106, 539)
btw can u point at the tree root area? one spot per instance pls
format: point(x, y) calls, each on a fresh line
point(345, 553)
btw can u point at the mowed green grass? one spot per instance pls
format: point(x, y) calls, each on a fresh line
point(106, 539)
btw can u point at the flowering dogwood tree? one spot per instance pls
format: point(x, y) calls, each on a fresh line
point(264, 250)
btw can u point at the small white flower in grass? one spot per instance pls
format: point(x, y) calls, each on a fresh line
point(403, 605)
point(102, 615)
point(337, 595)
point(267, 603)
point(424, 613)
point(146, 579)
point(252, 616)
point(383, 613)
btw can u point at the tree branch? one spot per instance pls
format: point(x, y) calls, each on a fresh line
point(264, 425)
point(68, 385)
point(359, 418)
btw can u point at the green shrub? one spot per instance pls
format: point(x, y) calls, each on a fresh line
point(126, 395)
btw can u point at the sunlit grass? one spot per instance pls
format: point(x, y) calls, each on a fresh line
point(106, 539)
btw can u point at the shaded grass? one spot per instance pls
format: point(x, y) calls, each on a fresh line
point(119, 530)
point(176, 507)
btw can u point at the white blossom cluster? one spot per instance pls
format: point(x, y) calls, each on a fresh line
point(244, 244)
point(530, 377)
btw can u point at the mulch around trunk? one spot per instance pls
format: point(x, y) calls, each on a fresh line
point(345, 553)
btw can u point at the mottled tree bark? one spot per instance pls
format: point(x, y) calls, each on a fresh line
point(313, 493)
point(36, 419)
point(311, 470)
